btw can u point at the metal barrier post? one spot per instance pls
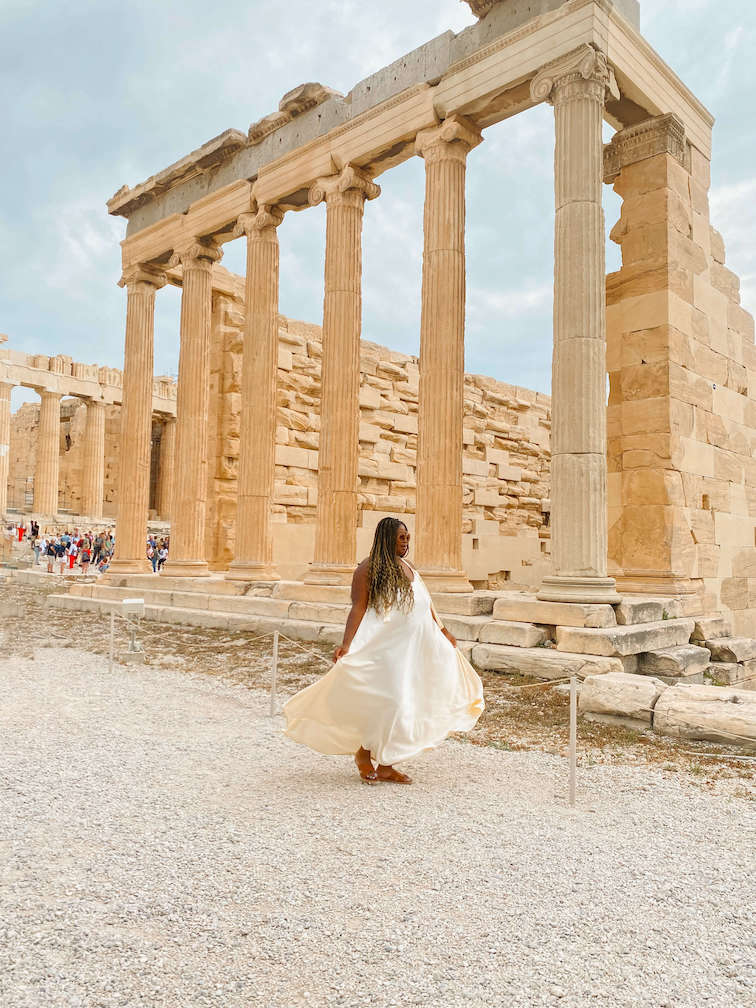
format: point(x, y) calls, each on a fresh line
point(573, 738)
point(274, 677)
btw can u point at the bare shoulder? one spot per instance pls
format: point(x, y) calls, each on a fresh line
point(361, 571)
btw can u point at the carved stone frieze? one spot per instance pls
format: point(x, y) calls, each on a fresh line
point(664, 134)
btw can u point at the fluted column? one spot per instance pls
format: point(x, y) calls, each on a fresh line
point(187, 550)
point(93, 476)
point(438, 524)
point(141, 283)
point(167, 468)
point(5, 426)
point(48, 455)
point(338, 457)
point(253, 551)
point(577, 85)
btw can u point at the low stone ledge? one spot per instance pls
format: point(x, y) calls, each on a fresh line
point(709, 628)
point(732, 649)
point(520, 607)
point(516, 634)
point(641, 609)
point(671, 664)
point(621, 697)
point(625, 640)
point(707, 714)
point(542, 663)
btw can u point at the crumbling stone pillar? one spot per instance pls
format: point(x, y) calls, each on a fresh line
point(438, 526)
point(577, 84)
point(338, 458)
point(93, 474)
point(187, 553)
point(5, 427)
point(253, 552)
point(167, 468)
point(48, 455)
point(141, 283)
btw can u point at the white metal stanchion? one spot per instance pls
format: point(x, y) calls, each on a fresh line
point(573, 738)
point(112, 640)
point(274, 676)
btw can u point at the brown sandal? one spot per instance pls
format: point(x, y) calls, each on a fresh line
point(392, 776)
point(369, 778)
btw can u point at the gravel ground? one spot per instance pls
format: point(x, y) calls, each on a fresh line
point(164, 845)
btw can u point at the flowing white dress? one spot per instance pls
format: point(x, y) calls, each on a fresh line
point(401, 688)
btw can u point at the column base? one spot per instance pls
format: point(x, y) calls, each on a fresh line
point(125, 566)
point(445, 580)
point(251, 572)
point(594, 590)
point(185, 568)
point(329, 574)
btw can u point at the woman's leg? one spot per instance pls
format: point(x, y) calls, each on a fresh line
point(365, 764)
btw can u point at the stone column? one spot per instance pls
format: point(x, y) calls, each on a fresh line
point(167, 468)
point(93, 476)
point(5, 426)
point(187, 549)
point(48, 455)
point(438, 525)
point(141, 283)
point(338, 458)
point(577, 84)
point(253, 552)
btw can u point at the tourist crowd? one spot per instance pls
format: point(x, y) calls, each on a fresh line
point(67, 550)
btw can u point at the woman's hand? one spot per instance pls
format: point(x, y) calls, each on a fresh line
point(339, 653)
point(449, 636)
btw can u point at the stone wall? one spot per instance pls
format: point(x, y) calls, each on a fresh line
point(506, 454)
point(682, 408)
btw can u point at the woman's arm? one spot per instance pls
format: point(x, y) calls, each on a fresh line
point(447, 633)
point(359, 606)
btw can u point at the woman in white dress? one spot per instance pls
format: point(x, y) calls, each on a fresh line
point(399, 685)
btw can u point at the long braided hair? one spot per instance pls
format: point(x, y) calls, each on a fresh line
point(388, 585)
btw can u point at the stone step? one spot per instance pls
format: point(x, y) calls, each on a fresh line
point(740, 674)
point(543, 663)
point(707, 714)
point(625, 640)
point(465, 603)
point(525, 635)
point(297, 591)
point(711, 628)
point(466, 628)
point(634, 609)
point(731, 649)
point(520, 607)
point(215, 584)
point(686, 662)
point(304, 630)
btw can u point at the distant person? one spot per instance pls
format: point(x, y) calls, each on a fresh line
point(399, 685)
point(85, 557)
point(73, 552)
point(162, 556)
point(60, 553)
point(21, 528)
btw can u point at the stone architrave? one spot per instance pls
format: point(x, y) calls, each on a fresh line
point(141, 284)
point(48, 455)
point(253, 553)
point(187, 549)
point(338, 458)
point(167, 468)
point(5, 428)
point(577, 86)
point(93, 474)
point(438, 527)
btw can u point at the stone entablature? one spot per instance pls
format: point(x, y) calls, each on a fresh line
point(66, 377)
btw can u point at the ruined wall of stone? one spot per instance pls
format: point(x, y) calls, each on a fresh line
point(505, 463)
point(682, 409)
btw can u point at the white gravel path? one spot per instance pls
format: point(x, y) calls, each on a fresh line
point(163, 844)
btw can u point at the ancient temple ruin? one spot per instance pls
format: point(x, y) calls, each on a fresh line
point(654, 494)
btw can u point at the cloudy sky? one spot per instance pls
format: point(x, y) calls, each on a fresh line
point(102, 93)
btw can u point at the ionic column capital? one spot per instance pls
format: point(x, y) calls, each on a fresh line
point(583, 72)
point(197, 255)
point(454, 138)
point(255, 222)
point(351, 185)
point(142, 277)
